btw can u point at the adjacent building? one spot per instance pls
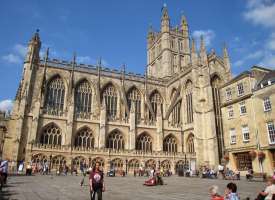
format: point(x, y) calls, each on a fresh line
point(248, 120)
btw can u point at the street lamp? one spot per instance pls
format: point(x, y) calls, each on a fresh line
point(50, 167)
point(159, 164)
point(126, 166)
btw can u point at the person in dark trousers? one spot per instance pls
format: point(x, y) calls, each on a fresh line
point(96, 181)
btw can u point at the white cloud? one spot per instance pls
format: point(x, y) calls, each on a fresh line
point(6, 105)
point(261, 13)
point(12, 58)
point(268, 60)
point(252, 56)
point(208, 36)
point(271, 42)
point(20, 50)
point(84, 59)
point(17, 55)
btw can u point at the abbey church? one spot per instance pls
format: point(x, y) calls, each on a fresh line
point(170, 117)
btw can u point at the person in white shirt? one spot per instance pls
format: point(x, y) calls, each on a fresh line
point(269, 190)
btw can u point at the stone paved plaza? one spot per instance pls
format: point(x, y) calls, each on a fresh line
point(118, 188)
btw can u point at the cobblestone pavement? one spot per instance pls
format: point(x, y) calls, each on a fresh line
point(118, 188)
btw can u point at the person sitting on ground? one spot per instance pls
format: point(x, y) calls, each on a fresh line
point(269, 190)
point(231, 192)
point(249, 174)
point(237, 175)
point(213, 190)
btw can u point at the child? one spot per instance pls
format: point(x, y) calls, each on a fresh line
point(231, 192)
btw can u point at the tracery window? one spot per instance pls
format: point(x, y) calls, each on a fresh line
point(115, 141)
point(150, 163)
point(83, 100)
point(51, 135)
point(156, 103)
point(189, 102)
point(39, 159)
point(54, 99)
point(78, 160)
point(58, 161)
point(144, 143)
point(134, 97)
point(110, 96)
point(190, 144)
point(117, 164)
point(98, 160)
point(85, 139)
point(133, 164)
point(170, 144)
point(166, 164)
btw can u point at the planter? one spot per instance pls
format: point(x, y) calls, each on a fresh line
point(226, 157)
point(261, 155)
point(253, 154)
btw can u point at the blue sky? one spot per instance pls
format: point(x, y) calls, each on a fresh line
point(116, 31)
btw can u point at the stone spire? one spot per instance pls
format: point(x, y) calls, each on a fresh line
point(226, 58)
point(165, 20)
point(203, 54)
point(150, 35)
point(194, 55)
point(34, 48)
point(184, 26)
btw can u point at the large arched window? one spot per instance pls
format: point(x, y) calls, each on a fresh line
point(110, 96)
point(84, 139)
point(144, 143)
point(215, 84)
point(175, 116)
point(134, 97)
point(51, 135)
point(115, 141)
point(54, 99)
point(170, 144)
point(189, 102)
point(156, 103)
point(190, 144)
point(83, 100)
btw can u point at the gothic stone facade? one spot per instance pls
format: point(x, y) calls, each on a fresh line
point(68, 112)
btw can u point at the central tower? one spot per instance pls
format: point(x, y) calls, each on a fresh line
point(168, 51)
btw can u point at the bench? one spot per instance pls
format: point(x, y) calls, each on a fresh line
point(256, 176)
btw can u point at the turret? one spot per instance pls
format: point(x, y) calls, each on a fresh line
point(203, 54)
point(165, 20)
point(194, 55)
point(184, 26)
point(33, 49)
point(150, 36)
point(226, 59)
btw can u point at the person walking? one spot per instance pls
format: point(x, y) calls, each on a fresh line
point(4, 166)
point(96, 181)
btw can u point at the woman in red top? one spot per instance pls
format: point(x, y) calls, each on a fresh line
point(214, 193)
point(96, 181)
